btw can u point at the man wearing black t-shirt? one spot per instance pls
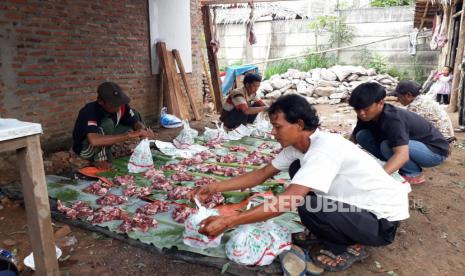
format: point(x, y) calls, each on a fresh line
point(105, 122)
point(402, 138)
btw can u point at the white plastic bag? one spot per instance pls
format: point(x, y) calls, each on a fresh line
point(261, 126)
point(186, 137)
point(258, 243)
point(141, 159)
point(168, 120)
point(215, 134)
point(192, 237)
point(239, 132)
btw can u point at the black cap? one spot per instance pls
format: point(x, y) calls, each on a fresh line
point(112, 94)
point(406, 86)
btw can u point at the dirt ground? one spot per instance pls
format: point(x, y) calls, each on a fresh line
point(430, 242)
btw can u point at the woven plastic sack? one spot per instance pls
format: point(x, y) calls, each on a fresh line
point(141, 159)
point(192, 237)
point(168, 120)
point(186, 137)
point(258, 243)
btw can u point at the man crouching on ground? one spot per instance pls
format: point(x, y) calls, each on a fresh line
point(105, 122)
point(324, 168)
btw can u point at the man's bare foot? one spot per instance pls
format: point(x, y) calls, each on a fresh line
point(102, 165)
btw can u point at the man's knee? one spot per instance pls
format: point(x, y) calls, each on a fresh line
point(386, 149)
point(363, 136)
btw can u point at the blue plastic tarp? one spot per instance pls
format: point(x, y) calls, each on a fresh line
point(231, 74)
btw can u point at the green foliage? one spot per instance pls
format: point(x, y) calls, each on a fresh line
point(379, 63)
point(363, 57)
point(322, 23)
point(340, 33)
point(67, 194)
point(396, 73)
point(391, 3)
point(309, 62)
point(278, 67)
point(420, 75)
point(315, 61)
point(236, 63)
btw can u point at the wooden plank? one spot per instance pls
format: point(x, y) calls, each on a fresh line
point(212, 59)
point(35, 193)
point(161, 79)
point(458, 61)
point(14, 144)
point(170, 96)
point(177, 58)
point(183, 108)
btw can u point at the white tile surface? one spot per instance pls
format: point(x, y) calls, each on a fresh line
point(13, 128)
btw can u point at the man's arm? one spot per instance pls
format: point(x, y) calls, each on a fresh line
point(286, 201)
point(247, 180)
point(253, 110)
point(140, 126)
point(100, 140)
point(400, 157)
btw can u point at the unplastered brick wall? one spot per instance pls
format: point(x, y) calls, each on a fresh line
point(54, 54)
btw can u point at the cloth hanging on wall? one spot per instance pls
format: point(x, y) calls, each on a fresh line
point(215, 42)
point(250, 24)
point(412, 43)
point(442, 36)
point(433, 44)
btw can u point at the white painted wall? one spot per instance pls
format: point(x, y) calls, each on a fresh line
point(293, 37)
point(170, 22)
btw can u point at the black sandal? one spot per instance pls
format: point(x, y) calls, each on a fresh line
point(304, 239)
point(343, 261)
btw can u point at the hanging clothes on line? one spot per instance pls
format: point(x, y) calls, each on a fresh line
point(412, 42)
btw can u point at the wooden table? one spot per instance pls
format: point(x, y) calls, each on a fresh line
point(24, 138)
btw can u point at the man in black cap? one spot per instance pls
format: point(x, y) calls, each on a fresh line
point(105, 122)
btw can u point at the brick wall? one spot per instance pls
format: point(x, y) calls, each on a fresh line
point(55, 53)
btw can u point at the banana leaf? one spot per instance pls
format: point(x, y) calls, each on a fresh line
point(235, 197)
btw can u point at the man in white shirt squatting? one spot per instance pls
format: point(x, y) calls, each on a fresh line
point(343, 196)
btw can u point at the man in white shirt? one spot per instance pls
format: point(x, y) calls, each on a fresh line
point(343, 195)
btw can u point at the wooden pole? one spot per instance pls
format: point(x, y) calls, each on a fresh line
point(178, 59)
point(209, 80)
point(458, 61)
point(422, 22)
point(212, 59)
point(35, 194)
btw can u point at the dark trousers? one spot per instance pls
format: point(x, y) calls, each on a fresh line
point(442, 98)
point(236, 117)
point(339, 229)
